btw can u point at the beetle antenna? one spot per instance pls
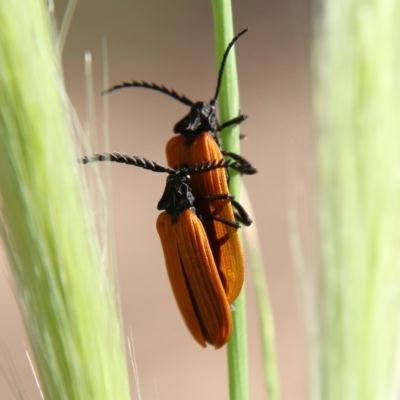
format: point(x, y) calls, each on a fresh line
point(244, 166)
point(170, 92)
point(210, 166)
point(221, 69)
point(129, 160)
point(155, 167)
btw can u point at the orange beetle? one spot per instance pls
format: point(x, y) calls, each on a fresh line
point(199, 142)
point(192, 271)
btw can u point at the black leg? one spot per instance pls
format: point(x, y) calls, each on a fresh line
point(241, 214)
point(235, 121)
point(233, 224)
point(222, 196)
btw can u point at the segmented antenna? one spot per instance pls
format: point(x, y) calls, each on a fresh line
point(126, 159)
point(221, 69)
point(242, 165)
point(155, 167)
point(170, 92)
point(210, 166)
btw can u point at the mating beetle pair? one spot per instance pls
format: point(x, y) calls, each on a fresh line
point(204, 258)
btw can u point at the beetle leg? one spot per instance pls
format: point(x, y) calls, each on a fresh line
point(222, 196)
point(240, 213)
point(233, 224)
point(234, 121)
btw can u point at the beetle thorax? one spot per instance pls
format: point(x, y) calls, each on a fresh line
point(201, 118)
point(177, 195)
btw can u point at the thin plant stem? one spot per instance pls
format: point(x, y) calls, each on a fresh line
point(229, 108)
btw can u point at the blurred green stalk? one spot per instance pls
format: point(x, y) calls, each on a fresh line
point(64, 289)
point(264, 307)
point(357, 103)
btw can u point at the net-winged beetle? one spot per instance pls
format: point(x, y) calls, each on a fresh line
point(192, 271)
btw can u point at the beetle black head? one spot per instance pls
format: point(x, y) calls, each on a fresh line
point(177, 195)
point(201, 118)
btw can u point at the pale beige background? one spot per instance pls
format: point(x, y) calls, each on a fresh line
point(171, 43)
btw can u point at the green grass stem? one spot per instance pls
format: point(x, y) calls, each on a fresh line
point(229, 107)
